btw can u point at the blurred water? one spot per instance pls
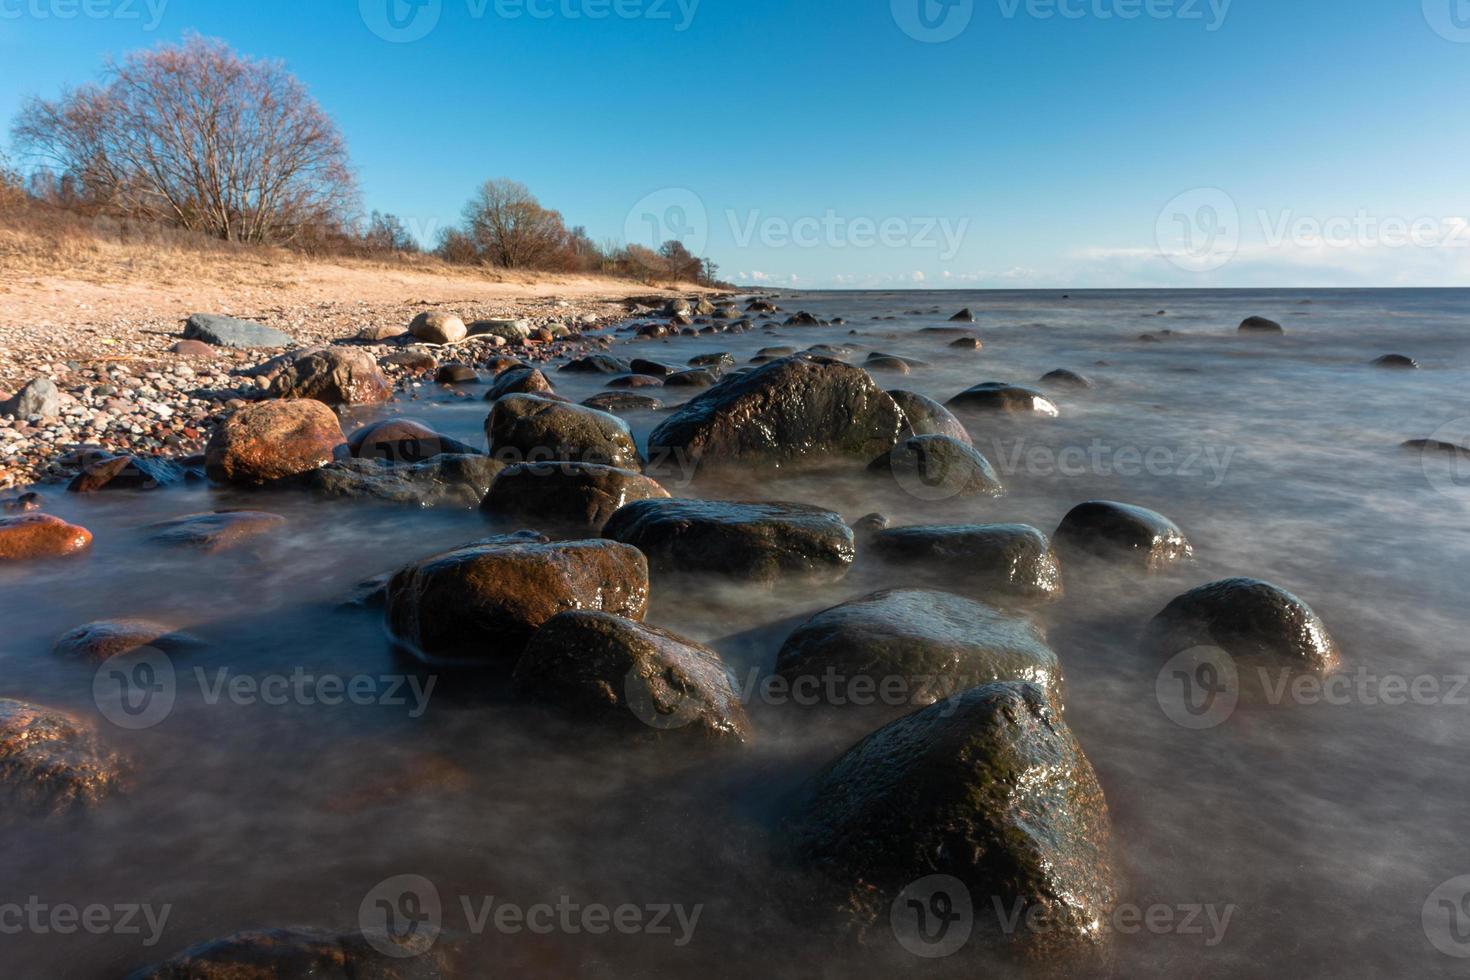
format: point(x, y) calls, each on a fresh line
point(1327, 826)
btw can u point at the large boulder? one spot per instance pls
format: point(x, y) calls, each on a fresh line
point(110, 637)
point(989, 789)
point(631, 675)
point(573, 495)
point(529, 428)
point(793, 411)
point(216, 532)
point(433, 327)
point(448, 480)
point(1259, 324)
point(403, 440)
point(996, 396)
point(938, 467)
point(926, 645)
point(758, 542)
point(335, 376)
point(226, 331)
point(307, 954)
point(1256, 623)
point(1114, 531)
point(926, 417)
point(994, 560)
point(126, 473)
point(274, 440)
point(31, 536)
point(480, 605)
point(51, 761)
point(518, 381)
point(40, 397)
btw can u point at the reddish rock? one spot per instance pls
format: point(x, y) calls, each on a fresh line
point(51, 760)
point(40, 536)
point(194, 348)
point(403, 440)
point(108, 638)
point(335, 376)
point(274, 440)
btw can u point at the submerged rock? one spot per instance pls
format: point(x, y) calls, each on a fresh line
point(32, 536)
point(996, 396)
point(529, 428)
point(636, 381)
point(1105, 529)
point(886, 362)
point(51, 761)
point(333, 376)
point(479, 605)
point(696, 378)
point(126, 473)
point(433, 327)
point(1253, 621)
point(305, 954)
point(445, 480)
point(629, 674)
point(1400, 361)
point(226, 331)
point(757, 542)
point(919, 645)
point(963, 316)
point(938, 467)
point(615, 401)
point(926, 417)
point(580, 495)
point(598, 364)
point(110, 637)
point(404, 440)
point(216, 532)
point(1259, 324)
point(1006, 560)
point(990, 788)
point(967, 343)
point(1062, 376)
point(274, 440)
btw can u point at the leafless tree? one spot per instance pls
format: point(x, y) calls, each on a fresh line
point(199, 136)
point(510, 228)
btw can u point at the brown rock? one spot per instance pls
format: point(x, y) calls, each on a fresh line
point(438, 328)
point(215, 532)
point(415, 361)
point(274, 440)
point(31, 536)
point(581, 495)
point(380, 333)
point(51, 760)
point(194, 348)
point(335, 376)
point(403, 440)
point(110, 637)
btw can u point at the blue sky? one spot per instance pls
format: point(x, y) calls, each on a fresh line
point(1070, 143)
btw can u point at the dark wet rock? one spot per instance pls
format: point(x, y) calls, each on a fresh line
point(598, 364)
point(991, 788)
point(274, 440)
point(798, 410)
point(518, 381)
point(761, 306)
point(636, 381)
point(622, 401)
point(306, 954)
point(996, 396)
point(802, 319)
point(403, 440)
point(1259, 324)
point(433, 327)
point(1437, 446)
point(456, 374)
point(529, 428)
point(994, 560)
point(580, 495)
point(27, 537)
point(51, 761)
point(1253, 621)
point(963, 316)
point(775, 352)
point(869, 524)
point(1062, 376)
point(20, 503)
point(926, 417)
point(879, 356)
point(967, 343)
point(215, 532)
point(939, 467)
point(883, 362)
point(226, 331)
point(758, 542)
point(696, 378)
point(717, 360)
point(334, 376)
point(637, 677)
point(678, 307)
point(110, 637)
point(1400, 361)
point(1109, 530)
point(501, 363)
point(641, 365)
point(40, 397)
point(126, 473)
point(480, 605)
point(413, 361)
point(447, 480)
point(652, 331)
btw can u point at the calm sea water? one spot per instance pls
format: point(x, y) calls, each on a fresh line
point(1324, 825)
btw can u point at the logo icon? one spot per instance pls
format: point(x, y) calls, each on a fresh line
point(1199, 688)
point(400, 21)
point(1450, 19)
point(933, 21)
point(1446, 459)
point(659, 702)
point(1446, 917)
point(671, 214)
point(933, 917)
point(135, 689)
point(1199, 230)
point(401, 916)
point(926, 474)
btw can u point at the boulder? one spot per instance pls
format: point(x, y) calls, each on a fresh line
point(215, 532)
point(404, 440)
point(1399, 361)
point(274, 440)
point(413, 361)
point(641, 365)
point(456, 374)
point(51, 761)
point(927, 417)
point(886, 362)
point(433, 327)
point(226, 331)
point(126, 473)
point(598, 364)
point(629, 675)
point(1254, 622)
point(306, 954)
point(447, 480)
point(1114, 531)
point(529, 428)
point(921, 645)
point(518, 381)
point(963, 316)
point(996, 396)
point(636, 381)
point(756, 542)
point(334, 376)
point(511, 331)
point(990, 788)
point(481, 604)
point(622, 401)
point(1062, 376)
point(938, 467)
point(31, 536)
point(110, 637)
point(378, 334)
point(996, 560)
point(798, 410)
point(193, 348)
point(1259, 324)
point(40, 397)
point(565, 494)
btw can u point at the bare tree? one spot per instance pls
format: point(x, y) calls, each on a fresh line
point(386, 233)
point(510, 228)
point(202, 137)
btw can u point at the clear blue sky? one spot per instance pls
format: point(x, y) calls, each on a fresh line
point(824, 141)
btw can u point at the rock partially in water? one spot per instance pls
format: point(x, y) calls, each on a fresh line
point(479, 605)
point(598, 364)
point(963, 316)
point(1114, 531)
point(926, 417)
point(990, 788)
point(1437, 446)
point(274, 440)
point(696, 378)
point(434, 327)
point(917, 646)
point(757, 542)
point(798, 410)
point(997, 396)
point(1399, 361)
point(1259, 324)
point(26, 537)
point(456, 374)
point(216, 532)
point(334, 376)
point(569, 495)
point(518, 381)
point(52, 761)
point(126, 473)
point(1062, 376)
point(717, 360)
point(305, 954)
point(938, 467)
point(448, 480)
point(656, 369)
point(621, 401)
point(529, 428)
point(992, 560)
point(967, 343)
point(870, 524)
point(404, 440)
point(635, 381)
point(413, 361)
point(1255, 622)
point(886, 362)
point(226, 331)
point(110, 637)
point(633, 676)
